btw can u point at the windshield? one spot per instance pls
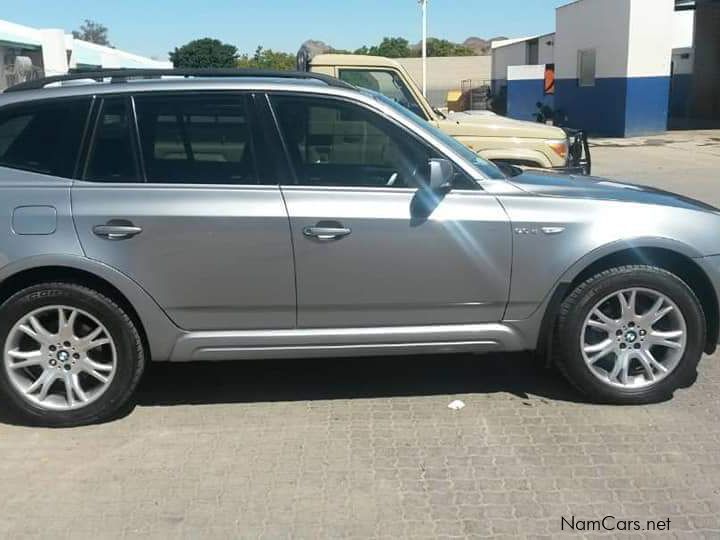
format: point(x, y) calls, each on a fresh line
point(485, 167)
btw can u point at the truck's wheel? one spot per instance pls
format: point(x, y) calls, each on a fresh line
point(630, 335)
point(71, 355)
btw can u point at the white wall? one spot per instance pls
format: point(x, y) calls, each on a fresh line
point(593, 24)
point(525, 73)
point(546, 45)
point(508, 55)
point(54, 54)
point(650, 50)
point(683, 29)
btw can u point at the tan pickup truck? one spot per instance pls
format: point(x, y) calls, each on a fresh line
point(494, 137)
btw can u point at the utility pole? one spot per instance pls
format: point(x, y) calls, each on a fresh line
point(423, 6)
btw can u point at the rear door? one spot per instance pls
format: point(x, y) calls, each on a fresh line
point(182, 204)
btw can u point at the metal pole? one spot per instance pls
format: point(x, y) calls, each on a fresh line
point(423, 4)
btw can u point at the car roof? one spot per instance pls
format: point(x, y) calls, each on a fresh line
point(137, 81)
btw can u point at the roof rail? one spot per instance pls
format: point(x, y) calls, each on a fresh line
point(122, 75)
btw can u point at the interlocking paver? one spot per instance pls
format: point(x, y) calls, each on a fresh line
point(367, 448)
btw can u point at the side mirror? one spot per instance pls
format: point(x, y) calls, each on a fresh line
point(441, 174)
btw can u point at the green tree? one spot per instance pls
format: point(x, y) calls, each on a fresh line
point(267, 59)
point(204, 53)
point(391, 47)
point(94, 32)
point(443, 47)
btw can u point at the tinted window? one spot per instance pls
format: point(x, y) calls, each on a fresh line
point(196, 139)
point(334, 143)
point(388, 83)
point(43, 137)
point(112, 154)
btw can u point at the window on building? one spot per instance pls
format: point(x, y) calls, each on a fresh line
point(43, 137)
point(203, 139)
point(112, 155)
point(334, 143)
point(533, 52)
point(586, 67)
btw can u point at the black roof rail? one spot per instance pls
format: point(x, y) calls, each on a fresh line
point(122, 75)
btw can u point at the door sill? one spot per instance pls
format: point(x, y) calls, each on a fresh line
point(345, 342)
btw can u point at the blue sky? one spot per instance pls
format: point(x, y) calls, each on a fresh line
point(154, 27)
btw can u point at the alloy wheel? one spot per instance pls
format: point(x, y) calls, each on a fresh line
point(633, 338)
point(60, 358)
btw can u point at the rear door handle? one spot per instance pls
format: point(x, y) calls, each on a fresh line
point(116, 232)
point(326, 233)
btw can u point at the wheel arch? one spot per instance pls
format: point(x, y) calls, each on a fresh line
point(677, 261)
point(157, 331)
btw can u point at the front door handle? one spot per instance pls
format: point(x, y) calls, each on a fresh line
point(326, 233)
point(113, 231)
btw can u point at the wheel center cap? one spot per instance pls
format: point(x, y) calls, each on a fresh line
point(63, 356)
point(630, 337)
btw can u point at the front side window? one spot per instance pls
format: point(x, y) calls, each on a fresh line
point(387, 83)
point(112, 156)
point(43, 137)
point(335, 143)
point(202, 139)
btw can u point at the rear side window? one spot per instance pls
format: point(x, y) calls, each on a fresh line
point(200, 139)
point(43, 137)
point(112, 154)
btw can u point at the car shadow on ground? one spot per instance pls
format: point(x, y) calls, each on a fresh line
point(348, 378)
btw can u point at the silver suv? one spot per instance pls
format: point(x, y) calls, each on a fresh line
point(247, 215)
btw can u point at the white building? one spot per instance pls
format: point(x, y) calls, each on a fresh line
point(27, 53)
point(621, 67)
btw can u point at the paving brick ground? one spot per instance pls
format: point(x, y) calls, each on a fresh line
point(368, 448)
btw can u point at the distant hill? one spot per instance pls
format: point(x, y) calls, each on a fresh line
point(480, 46)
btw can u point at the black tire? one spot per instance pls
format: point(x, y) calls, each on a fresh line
point(129, 347)
point(575, 308)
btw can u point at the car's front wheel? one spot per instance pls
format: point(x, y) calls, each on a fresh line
point(71, 355)
point(631, 334)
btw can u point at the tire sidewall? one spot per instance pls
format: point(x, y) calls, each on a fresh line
point(600, 287)
point(105, 311)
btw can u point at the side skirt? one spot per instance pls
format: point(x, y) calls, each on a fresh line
point(344, 342)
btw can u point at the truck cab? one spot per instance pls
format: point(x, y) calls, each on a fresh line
point(494, 137)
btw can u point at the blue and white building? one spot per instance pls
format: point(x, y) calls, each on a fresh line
point(27, 53)
point(621, 67)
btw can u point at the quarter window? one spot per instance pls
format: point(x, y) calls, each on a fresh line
point(335, 143)
point(43, 137)
point(196, 139)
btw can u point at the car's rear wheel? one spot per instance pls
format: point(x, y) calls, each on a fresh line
point(71, 355)
point(632, 334)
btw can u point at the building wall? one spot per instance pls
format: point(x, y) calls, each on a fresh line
point(706, 81)
point(447, 73)
point(631, 92)
point(503, 57)
point(525, 89)
point(681, 82)
point(48, 48)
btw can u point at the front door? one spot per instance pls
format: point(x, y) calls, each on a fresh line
point(364, 256)
point(190, 217)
